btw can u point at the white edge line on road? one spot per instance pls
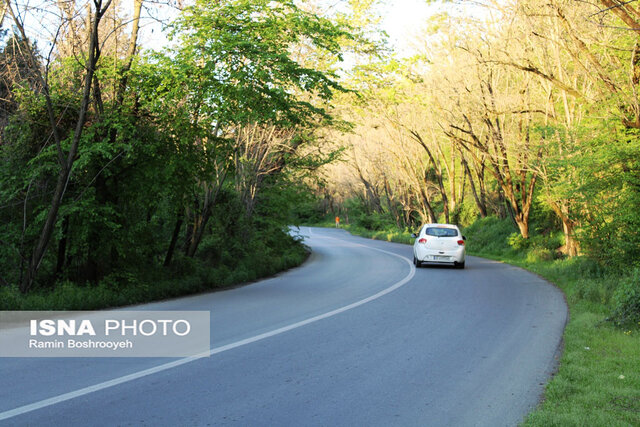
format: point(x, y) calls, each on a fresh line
point(120, 380)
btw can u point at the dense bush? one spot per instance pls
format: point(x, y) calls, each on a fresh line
point(374, 221)
point(185, 276)
point(627, 300)
point(491, 235)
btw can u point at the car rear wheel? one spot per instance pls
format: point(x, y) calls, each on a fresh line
point(459, 265)
point(417, 263)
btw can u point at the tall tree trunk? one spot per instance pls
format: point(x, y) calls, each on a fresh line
point(426, 202)
point(571, 245)
point(188, 234)
point(62, 246)
point(131, 51)
point(3, 12)
point(198, 230)
point(561, 209)
point(210, 198)
point(391, 205)
point(523, 226)
point(438, 170)
point(477, 196)
point(64, 174)
point(174, 239)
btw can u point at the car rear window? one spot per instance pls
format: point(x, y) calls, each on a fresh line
point(441, 232)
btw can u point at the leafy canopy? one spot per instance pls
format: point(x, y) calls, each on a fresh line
point(239, 56)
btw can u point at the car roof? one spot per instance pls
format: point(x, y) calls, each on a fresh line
point(441, 225)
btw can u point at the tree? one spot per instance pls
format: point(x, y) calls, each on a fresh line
point(236, 65)
point(65, 162)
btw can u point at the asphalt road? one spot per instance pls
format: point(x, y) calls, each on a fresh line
point(354, 337)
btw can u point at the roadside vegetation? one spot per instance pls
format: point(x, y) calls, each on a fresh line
point(129, 175)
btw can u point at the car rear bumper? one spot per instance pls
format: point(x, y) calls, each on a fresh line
point(430, 255)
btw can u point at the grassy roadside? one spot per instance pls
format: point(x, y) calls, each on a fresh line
point(598, 380)
point(185, 276)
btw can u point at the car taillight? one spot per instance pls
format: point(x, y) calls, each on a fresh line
point(423, 241)
point(461, 242)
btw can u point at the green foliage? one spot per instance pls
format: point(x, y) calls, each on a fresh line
point(186, 276)
point(605, 189)
point(390, 234)
point(517, 242)
point(541, 243)
point(492, 235)
point(627, 300)
point(374, 221)
point(594, 289)
point(235, 54)
point(307, 209)
point(540, 254)
point(467, 214)
point(154, 165)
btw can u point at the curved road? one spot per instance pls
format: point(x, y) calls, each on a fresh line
point(356, 336)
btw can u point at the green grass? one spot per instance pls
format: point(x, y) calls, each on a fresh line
point(389, 235)
point(598, 379)
point(597, 383)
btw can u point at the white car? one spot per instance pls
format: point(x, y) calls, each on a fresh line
point(439, 243)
